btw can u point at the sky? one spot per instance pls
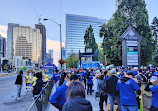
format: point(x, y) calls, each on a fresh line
point(27, 12)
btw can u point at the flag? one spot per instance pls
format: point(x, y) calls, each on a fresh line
point(105, 61)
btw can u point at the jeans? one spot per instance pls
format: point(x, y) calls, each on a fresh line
point(129, 108)
point(89, 88)
point(111, 100)
point(19, 90)
point(103, 97)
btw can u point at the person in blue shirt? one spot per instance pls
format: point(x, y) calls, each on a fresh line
point(106, 74)
point(80, 75)
point(89, 83)
point(56, 76)
point(59, 97)
point(156, 73)
point(121, 74)
point(85, 72)
point(127, 87)
point(154, 90)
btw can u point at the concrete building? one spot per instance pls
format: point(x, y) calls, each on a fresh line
point(27, 43)
point(3, 46)
point(43, 32)
point(76, 26)
point(10, 40)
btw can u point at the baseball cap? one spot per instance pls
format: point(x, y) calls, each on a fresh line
point(154, 77)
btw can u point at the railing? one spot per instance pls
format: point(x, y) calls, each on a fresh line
point(41, 101)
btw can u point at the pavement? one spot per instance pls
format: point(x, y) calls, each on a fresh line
point(8, 92)
point(91, 98)
point(7, 74)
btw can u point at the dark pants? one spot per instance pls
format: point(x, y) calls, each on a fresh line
point(85, 82)
point(103, 97)
point(153, 108)
point(89, 88)
point(38, 102)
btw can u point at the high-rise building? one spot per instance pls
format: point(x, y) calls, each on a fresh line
point(10, 40)
point(51, 55)
point(43, 32)
point(3, 46)
point(76, 26)
point(27, 43)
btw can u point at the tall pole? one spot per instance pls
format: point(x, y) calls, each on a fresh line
point(61, 47)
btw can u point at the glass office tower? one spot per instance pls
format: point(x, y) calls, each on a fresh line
point(76, 26)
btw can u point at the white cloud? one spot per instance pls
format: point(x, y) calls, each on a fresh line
point(3, 30)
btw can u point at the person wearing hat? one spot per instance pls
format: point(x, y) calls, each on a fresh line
point(127, 87)
point(19, 82)
point(113, 94)
point(154, 90)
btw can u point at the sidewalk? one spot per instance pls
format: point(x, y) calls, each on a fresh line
point(91, 98)
point(7, 74)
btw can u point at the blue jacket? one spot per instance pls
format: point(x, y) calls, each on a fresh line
point(127, 88)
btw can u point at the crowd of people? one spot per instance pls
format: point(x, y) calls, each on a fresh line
point(117, 85)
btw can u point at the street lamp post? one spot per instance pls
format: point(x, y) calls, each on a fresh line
point(60, 38)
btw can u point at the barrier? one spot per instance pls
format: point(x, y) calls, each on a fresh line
point(40, 101)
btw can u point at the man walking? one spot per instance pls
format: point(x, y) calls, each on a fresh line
point(127, 87)
point(18, 82)
point(111, 84)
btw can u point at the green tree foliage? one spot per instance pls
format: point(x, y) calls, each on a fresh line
point(5, 67)
point(101, 56)
point(89, 39)
point(24, 69)
point(72, 61)
point(129, 12)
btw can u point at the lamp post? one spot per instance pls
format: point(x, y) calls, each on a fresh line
point(60, 37)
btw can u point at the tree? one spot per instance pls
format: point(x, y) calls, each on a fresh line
point(89, 40)
point(72, 61)
point(5, 67)
point(101, 56)
point(129, 13)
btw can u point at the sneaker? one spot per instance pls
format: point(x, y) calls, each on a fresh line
point(17, 98)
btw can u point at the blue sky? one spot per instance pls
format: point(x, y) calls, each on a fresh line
point(23, 12)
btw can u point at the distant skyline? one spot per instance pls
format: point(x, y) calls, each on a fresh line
point(27, 12)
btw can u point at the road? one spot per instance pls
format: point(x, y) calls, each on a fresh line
point(8, 95)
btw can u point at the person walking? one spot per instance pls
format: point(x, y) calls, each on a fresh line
point(76, 98)
point(19, 82)
point(154, 90)
point(59, 97)
point(127, 87)
point(89, 83)
point(113, 94)
point(101, 87)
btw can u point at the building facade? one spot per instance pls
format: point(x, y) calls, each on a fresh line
point(76, 26)
point(10, 40)
point(3, 46)
point(43, 32)
point(27, 43)
point(51, 55)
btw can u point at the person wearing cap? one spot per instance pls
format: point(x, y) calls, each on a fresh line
point(121, 74)
point(127, 87)
point(19, 82)
point(154, 90)
point(141, 77)
point(111, 84)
